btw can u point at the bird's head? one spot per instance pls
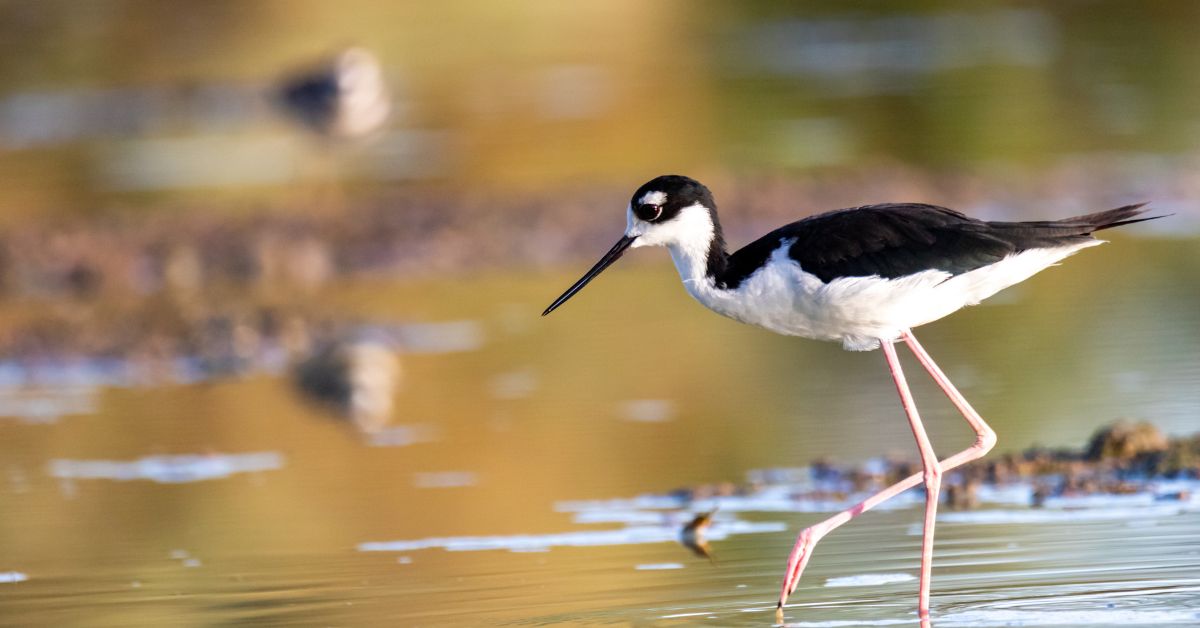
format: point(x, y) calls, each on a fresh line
point(670, 210)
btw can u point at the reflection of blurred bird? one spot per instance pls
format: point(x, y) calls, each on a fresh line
point(358, 379)
point(341, 99)
point(692, 535)
point(864, 276)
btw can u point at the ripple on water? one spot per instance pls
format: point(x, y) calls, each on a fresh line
point(630, 535)
point(1098, 617)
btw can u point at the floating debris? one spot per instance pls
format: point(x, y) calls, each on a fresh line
point(1034, 487)
point(1120, 459)
point(168, 469)
point(1126, 443)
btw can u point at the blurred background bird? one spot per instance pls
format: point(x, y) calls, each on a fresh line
point(356, 379)
point(340, 98)
point(344, 102)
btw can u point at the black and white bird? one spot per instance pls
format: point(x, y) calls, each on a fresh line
point(865, 277)
point(342, 98)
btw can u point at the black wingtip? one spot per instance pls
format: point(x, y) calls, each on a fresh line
point(1119, 217)
point(1122, 223)
point(1130, 221)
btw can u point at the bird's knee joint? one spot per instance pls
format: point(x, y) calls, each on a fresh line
point(933, 474)
point(985, 442)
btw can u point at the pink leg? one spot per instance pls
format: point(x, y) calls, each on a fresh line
point(931, 470)
point(985, 440)
point(985, 437)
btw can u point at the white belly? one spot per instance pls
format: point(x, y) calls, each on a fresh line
point(861, 311)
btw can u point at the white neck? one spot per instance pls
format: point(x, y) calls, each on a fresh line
point(690, 261)
point(688, 236)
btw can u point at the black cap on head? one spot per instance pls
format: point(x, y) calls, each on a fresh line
point(661, 198)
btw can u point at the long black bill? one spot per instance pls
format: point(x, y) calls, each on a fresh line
point(611, 256)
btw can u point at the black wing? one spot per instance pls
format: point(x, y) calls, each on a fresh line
point(894, 240)
point(311, 98)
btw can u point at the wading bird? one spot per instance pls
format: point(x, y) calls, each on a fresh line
point(864, 276)
point(343, 98)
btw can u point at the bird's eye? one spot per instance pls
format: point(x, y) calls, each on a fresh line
point(648, 212)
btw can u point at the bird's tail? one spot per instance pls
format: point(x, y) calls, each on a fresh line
point(1108, 219)
point(1077, 229)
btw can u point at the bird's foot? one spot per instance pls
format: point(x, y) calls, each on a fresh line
point(806, 542)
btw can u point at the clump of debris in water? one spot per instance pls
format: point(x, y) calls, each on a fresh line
point(1123, 458)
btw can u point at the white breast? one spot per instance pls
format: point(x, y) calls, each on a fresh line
point(860, 311)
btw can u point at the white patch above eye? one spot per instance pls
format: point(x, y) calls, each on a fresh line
point(691, 229)
point(653, 198)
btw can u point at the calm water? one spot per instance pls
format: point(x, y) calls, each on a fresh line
point(284, 516)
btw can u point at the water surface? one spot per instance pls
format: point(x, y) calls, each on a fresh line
point(234, 502)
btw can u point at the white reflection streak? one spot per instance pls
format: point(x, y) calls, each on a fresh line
point(167, 469)
point(443, 337)
point(632, 535)
point(1062, 516)
point(869, 579)
point(46, 405)
point(445, 479)
point(404, 435)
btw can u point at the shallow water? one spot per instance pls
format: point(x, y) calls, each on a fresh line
point(506, 492)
